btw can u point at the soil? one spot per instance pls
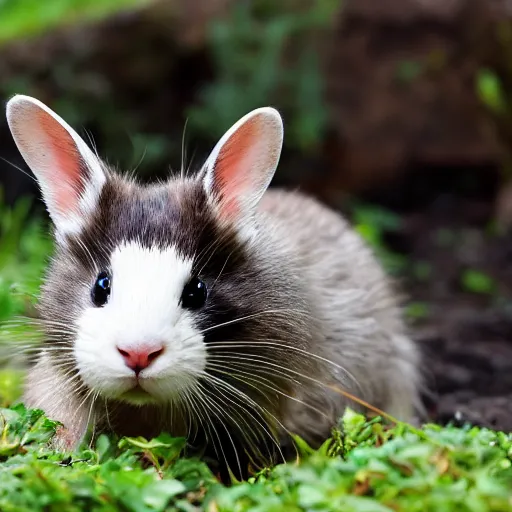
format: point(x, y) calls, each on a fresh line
point(466, 337)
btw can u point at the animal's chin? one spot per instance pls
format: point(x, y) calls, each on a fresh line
point(147, 391)
point(137, 396)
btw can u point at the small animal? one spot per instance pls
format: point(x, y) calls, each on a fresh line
point(206, 305)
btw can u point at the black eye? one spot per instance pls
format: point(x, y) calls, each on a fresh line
point(101, 290)
point(194, 294)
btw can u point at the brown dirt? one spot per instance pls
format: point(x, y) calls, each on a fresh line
point(467, 336)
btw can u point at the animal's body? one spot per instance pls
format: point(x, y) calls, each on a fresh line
point(206, 306)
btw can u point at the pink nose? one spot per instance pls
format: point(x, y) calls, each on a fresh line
point(138, 359)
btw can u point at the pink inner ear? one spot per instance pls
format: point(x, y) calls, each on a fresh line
point(232, 173)
point(64, 167)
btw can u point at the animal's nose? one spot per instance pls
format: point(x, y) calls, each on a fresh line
point(140, 358)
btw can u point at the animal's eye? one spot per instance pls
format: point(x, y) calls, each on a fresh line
point(194, 294)
point(101, 289)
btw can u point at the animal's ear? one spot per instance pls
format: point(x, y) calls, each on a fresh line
point(242, 164)
point(69, 174)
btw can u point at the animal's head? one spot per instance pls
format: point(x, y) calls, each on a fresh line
point(155, 290)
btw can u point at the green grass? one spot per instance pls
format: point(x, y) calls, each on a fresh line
point(365, 466)
point(28, 18)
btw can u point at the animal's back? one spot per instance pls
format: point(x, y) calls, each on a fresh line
point(360, 324)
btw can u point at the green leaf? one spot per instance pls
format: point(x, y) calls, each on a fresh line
point(477, 282)
point(490, 90)
point(417, 310)
point(158, 494)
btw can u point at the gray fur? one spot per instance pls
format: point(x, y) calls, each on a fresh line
point(360, 324)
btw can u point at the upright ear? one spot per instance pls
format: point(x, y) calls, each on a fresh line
point(242, 164)
point(69, 174)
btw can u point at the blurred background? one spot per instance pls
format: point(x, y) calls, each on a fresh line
point(397, 113)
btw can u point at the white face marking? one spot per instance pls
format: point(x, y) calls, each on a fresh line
point(143, 310)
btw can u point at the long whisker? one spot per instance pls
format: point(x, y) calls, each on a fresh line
point(263, 412)
point(222, 269)
point(276, 345)
point(136, 168)
point(253, 434)
point(189, 167)
point(88, 254)
point(92, 142)
point(89, 416)
point(235, 410)
point(24, 320)
point(193, 415)
point(209, 251)
point(19, 169)
point(254, 378)
point(207, 404)
point(82, 403)
point(242, 359)
point(196, 410)
point(247, 317)
point(214, 406)
point(38, 350)
point(71, 387)
point(183, 158)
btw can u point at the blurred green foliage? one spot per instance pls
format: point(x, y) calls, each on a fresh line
point(27, 18)
point(371, 222)
point(260, 59)
point(24, 249)
point(475, 281)
point(408, 70)
point(490, 91)
point(417, 310)
point(25, 246)
point(79, 95)
point(493, 94)
point(11, 385)
point(262, 53)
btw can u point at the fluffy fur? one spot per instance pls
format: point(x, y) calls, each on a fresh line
point(296, 303)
